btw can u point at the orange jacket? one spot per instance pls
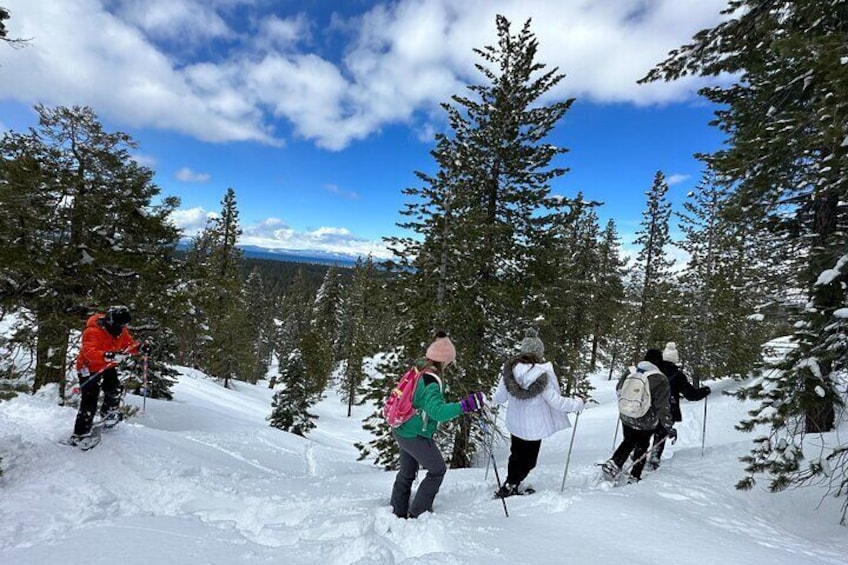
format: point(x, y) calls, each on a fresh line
point(96, 341)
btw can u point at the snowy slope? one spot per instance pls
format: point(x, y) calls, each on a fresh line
point(204, 479)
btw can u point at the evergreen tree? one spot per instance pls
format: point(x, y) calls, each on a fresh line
point(356, 343)
point(722, 287)
point(328, 311)
point(479, 224)
point(571, 266)
point(652, 277)
point(78, 228)
point(290, 406)
point(224, 346)
point(260, 319)
point(786, 155)
point(608, 295)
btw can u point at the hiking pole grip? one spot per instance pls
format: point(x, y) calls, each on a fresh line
point(485, 428)
point(570, 445)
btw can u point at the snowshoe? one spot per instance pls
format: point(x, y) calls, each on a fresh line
point(653, 463)
point(112, 419)
point(83, 441)
point(508, 490)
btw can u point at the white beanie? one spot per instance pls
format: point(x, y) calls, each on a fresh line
point(670, 353)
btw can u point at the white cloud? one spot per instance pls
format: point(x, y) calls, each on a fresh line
point(187, 175)
point(671, 180)
point(82, 54)
point(145, 160)
point(184, 20)
point(402, 59)
point(191, 221)
point(336, 190)
point(273, 233)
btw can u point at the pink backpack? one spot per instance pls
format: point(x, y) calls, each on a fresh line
point(398, 407)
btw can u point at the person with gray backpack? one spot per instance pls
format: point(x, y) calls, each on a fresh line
point(643, 404)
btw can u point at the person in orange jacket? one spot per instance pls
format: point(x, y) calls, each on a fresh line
point(106, 342)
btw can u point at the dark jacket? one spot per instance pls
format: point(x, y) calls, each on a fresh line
point(660, 412)
point(679, 385)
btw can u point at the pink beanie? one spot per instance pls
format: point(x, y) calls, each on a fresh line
point(442, 349)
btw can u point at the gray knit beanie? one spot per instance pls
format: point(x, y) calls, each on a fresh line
point(532, 344)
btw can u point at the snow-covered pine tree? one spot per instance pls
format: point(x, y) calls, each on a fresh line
point(290, 406)
point(260, 320)
point(327, 311)
point(480, 222)
point(608, 293)
point(356, 341)
point(570, 264)
point(108, 243)
point(786, 152)
point(652, 278)
point(723, 286)
point(214, 264)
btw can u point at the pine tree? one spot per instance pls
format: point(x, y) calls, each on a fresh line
point(260, 319)
point(786, 155)
point(290, 407)
point(479, 224)
point(327, 312)
point(569, 293)
point(608, 295)
point(224, 346)
point(722, 287)
point(652, 277)
point(78, 228)
point(356, 343)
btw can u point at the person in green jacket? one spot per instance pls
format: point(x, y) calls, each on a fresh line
point(415, 436)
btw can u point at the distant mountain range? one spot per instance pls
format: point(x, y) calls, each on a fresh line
point(299, 256)
point(291, 255)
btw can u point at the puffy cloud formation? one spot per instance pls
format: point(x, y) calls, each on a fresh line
point(204, 69)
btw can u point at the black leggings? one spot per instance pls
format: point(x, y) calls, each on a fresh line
point(89, 395)
point(523, 455)
point(636, 441)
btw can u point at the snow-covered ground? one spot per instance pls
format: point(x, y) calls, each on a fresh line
point(205, 480)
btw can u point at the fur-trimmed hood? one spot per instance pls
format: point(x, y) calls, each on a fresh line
point(525, 380)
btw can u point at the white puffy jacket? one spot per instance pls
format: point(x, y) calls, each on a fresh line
point(536, 408)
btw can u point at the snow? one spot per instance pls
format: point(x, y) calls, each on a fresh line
point(204, 480)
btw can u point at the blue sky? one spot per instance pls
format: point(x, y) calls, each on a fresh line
point(318, 112)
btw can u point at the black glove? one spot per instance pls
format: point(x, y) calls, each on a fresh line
point(707, 390)
point(144, 348)
point(672, 435)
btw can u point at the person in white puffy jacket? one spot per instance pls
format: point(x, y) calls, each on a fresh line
point(535, 408)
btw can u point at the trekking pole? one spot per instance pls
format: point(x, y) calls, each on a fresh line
point(144, 384)
point(704, 430)
point(491, 445)
point(494, 464)
point(643, 456)
point(615, 435)
point(570, 445)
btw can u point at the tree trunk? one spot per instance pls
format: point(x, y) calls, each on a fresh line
point(51, 349)
point(820, 418)
point(595, 341)
point(459, 458)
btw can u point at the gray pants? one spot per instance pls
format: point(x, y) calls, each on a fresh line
point(414, 452)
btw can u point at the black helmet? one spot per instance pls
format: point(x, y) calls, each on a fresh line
point(117, 316)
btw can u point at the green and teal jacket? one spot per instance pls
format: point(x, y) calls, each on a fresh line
point(431, 408)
